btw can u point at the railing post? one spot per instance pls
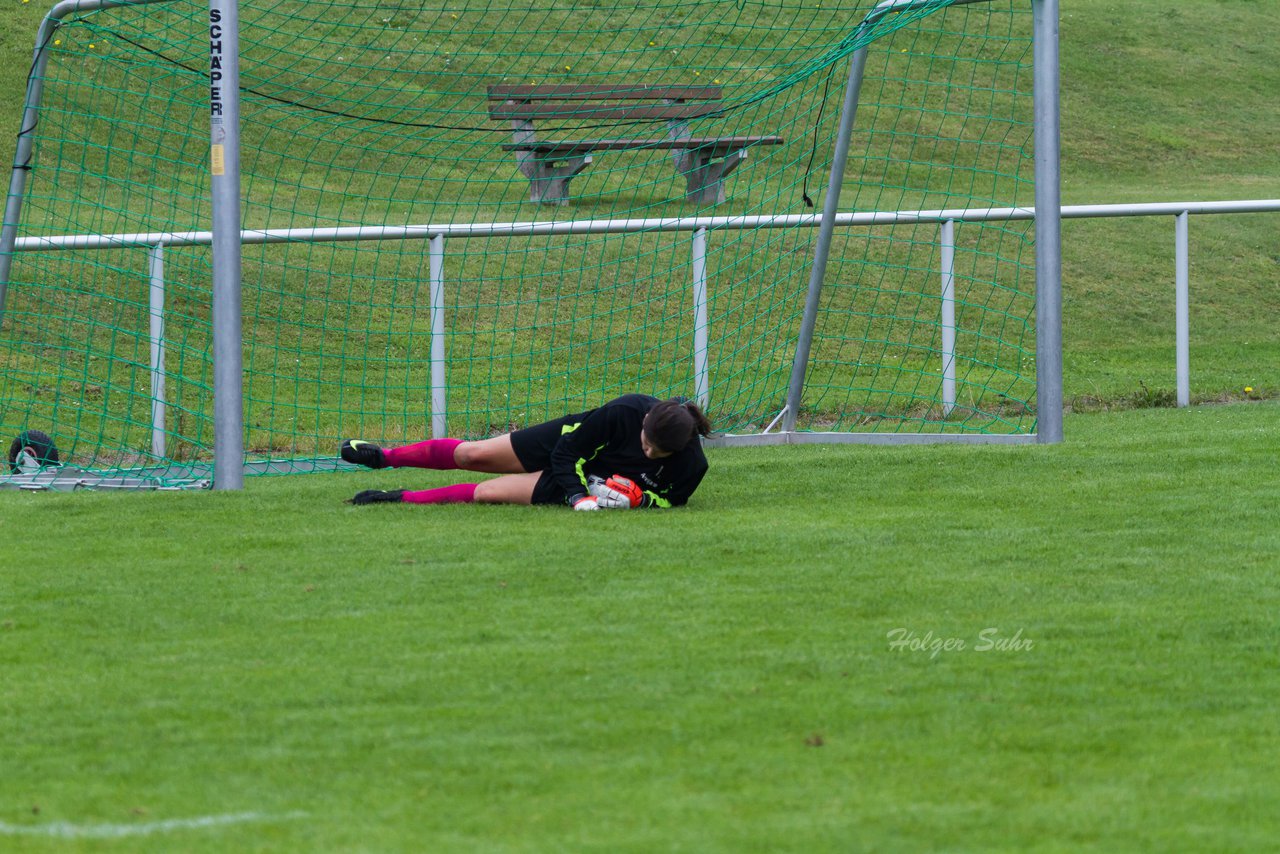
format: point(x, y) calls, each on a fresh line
point(155, 265)
point(948, 253)
point(701, 381)
point(439, 390)
point(1182, 309)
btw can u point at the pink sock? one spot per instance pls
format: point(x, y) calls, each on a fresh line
point(459, 493)
point(431, 454)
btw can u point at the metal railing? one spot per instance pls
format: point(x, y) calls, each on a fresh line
point(438, 235)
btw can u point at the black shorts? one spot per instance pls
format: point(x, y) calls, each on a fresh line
point(533, 447)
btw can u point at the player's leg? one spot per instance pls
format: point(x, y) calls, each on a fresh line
point(492, 456)
point(525, 450)
point(508, 489)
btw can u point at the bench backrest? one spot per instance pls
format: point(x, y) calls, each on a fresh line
point(602, 101)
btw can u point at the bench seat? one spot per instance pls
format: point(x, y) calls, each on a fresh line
point(716, 144)
point(551, 164)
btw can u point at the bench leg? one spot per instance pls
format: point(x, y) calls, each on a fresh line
point(549, 182)
point(705, 175)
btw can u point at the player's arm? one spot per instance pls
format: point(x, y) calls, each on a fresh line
point(620, 492)
point(577, 448)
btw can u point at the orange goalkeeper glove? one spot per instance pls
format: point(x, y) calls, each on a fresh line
point(616, 493)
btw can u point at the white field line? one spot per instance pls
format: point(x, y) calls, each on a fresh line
point(67, 830)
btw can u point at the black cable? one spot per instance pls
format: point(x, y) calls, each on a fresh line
point(710, 114)
point(813, 152)
point(31, 73)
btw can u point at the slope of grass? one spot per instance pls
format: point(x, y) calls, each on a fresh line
point(1134, 76)
point(1165, 102)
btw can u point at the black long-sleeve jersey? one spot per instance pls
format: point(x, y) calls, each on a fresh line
point(606, 441)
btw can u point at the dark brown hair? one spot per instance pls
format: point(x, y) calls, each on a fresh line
point(674, 424)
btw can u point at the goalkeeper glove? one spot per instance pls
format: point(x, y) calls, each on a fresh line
point(616, 493)
point(583, 502)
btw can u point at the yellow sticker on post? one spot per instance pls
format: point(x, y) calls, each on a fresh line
point(218, 160)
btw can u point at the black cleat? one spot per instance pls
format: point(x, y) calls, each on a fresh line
point(362, 453)
point(377, 496)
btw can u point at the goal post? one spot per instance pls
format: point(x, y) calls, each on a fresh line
point(1048, 223)
point(1048, 231)
point(397, 279)
point(224, 173)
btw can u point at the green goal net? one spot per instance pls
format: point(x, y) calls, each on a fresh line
point(468, 217)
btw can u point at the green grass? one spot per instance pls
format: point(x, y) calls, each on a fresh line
point(721, 678)
point(714, 679)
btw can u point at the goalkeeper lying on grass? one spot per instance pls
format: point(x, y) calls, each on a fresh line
point(635, 451)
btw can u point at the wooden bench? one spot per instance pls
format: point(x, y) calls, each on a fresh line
point(551, 164)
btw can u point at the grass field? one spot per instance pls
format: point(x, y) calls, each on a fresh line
point(1060, 648)
point(721, 678)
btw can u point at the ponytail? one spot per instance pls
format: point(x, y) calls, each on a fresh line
point(702, 424)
